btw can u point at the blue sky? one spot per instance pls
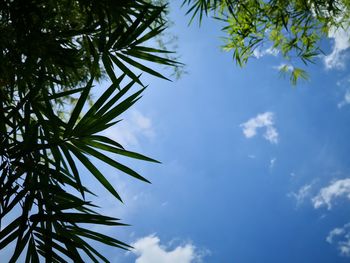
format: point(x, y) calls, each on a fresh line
point(253, 169)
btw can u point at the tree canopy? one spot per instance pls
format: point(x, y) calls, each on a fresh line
point(293, 28)
point(54, 53)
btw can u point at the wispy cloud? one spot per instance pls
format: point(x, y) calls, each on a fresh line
point(258, 52)
point(149, 250)
point(341, 237)
point(284, 67)
point(272, 162)
point(129, 131)
point(346, 99)
point(336, 59)
point(327, 195)
point(251, 156)
point(303, 193)
point(263, 120)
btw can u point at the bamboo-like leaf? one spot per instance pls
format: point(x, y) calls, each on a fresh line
point(42, 144)
point(98, 237)
point(149, 57)
point(64, 94)
point(32, 254)
point(151, 50)
point(116, 98)
point(98, 175)
point(126, 70)
point(119, 151)
point(121, 107)
point(152, 33)
point(74, 169)
point(109, 68)
point(102, 99)
point(19, 196)
point(110, 161)
point(75, 218)
point(140, 66)
point(20, 246)
point(104, 139)
point(101, 105)
point(77, 109)
point(9, 239)
point(87, 248)
point(10, 228)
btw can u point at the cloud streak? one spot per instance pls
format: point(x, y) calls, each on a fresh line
point(346, 100)
point(303, 193)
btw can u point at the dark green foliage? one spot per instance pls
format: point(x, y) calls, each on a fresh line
point(292, 27)
point(52, 54)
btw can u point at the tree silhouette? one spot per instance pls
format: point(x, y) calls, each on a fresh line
point(52, 54)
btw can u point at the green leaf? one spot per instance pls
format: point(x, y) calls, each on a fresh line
point(10, 228)
point(120, 151)
point(19, 196)
point(20, 246)
point(109, 68)
point(121, 107)
point(126, 70)
point(9, 239)
point(109, 161)
point(98, 237)
point(32, 254)
point(75, 218)
point(102, 99)
point(98, 175)
point(64, 93)
point(103, 139)
point(74, 169)
point(150, 57)
point(77, 109)
point(140, 66)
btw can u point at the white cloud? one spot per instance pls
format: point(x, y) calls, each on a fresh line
point(149, 250)
point(287, 67)
point(334, 233)
point(258, 52)
point(271, 134)
point(346, 99)
point(336, 59)
point(341, 237)
point(263, 120)
point(141, 121)
point(302, 194)
point(326, 195)
point(129, 131)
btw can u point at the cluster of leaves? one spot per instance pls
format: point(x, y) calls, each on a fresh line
point(53, 51)
point(293, 28)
